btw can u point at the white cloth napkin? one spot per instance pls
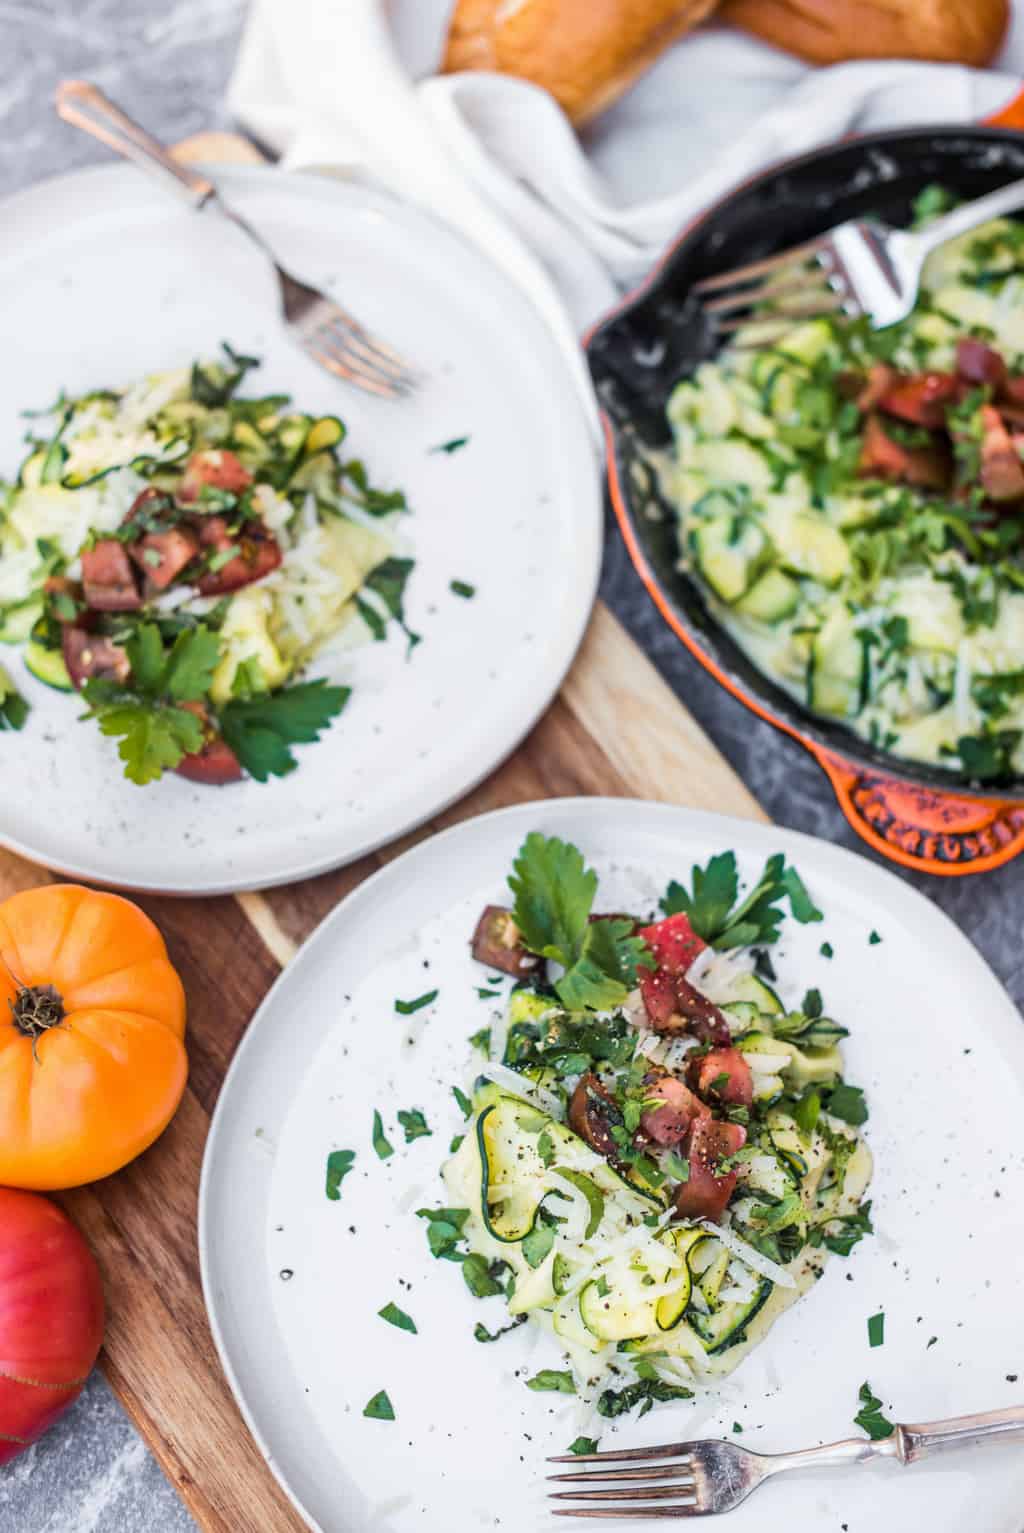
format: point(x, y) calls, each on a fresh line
point(348, 86)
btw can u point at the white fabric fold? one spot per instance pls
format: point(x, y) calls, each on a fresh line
point(571, 220)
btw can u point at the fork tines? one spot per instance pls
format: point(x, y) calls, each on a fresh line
point(681, 1491)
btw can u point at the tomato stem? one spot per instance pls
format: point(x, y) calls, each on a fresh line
point(35, 1009)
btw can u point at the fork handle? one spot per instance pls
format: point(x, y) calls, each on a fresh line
point(85, 106)
point(1006, 199)
point(928, 1437)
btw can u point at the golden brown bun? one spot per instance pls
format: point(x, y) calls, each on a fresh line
point(585, 52)
point(829, 31)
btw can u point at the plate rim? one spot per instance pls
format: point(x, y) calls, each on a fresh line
point(1003, 1019)
point(587, 562)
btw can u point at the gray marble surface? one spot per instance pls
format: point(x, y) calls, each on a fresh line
point(168, 63)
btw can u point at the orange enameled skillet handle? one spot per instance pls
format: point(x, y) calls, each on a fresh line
point(923, 828)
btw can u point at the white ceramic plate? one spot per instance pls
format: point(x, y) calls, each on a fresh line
point(107, 277)
point(294, 1282)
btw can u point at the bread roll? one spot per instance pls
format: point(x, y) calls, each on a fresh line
point(585, 52)
point(829, 31)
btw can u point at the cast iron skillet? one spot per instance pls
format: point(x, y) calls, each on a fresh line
point(923, 816)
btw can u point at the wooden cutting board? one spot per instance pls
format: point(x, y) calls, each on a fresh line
point(615, 728)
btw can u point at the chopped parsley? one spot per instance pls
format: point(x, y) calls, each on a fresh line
point(444, 1231)
point(406, 1008)
point(339, 1164)
point(451, 446)
point(481, 1276)
point(465, 1105)
point(876, 1329)
point(481, 1333)
point(827, 950)
point(552, 1381)
point(874, 939)
point(398, 1318)
point(379, 1408)
point(644, 1392)
point(846, 1102)
point(13, 707)
point(870, 1417)
point(381, 1143)
point(583, 1445)
point(462, 588)
point(414, 1124)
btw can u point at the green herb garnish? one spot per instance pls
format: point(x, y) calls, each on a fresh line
point(414, 1124)
point(339, 1164)
point(554, 894)
point(870, 1417)
point(381, 1143)
point(398, 1318)
point(406, 1008)
point(379, 1408)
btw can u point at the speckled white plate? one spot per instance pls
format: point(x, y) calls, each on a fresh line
point(106, 277)
point(293, 1282)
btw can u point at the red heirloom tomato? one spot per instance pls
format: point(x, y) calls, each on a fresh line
point(51, 1317)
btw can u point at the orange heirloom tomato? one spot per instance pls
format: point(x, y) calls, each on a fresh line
point(92, 1022)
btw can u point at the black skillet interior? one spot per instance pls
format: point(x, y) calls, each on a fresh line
point(640, 352)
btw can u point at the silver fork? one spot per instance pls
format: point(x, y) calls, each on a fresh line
point(861, 267)
point(329, 334)
point(709, 1477)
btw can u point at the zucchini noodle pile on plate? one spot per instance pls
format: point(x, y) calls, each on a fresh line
point(659, 1156)
point(179, 554)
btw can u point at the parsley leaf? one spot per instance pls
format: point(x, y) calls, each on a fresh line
point(462, 588)
point(842, 1233)
point(481, 1333)
point(451, 446)
point(398, 1318)
point(462, 1099)
point(876, 1330)
point(406, 1008)
point(339, 1164)
point(444, 1231)
point(261, 730)
point(870, 1417)
point(554, 894)
point(583, 1445)
point(13, 707)
point(480, 1276)
point(712, 910)
point(643, 1393)
point(379, 1408)
point(414, 1124)
point(847, 1102)
point(552, 1381)
point(154, 731)
point(381, 1143)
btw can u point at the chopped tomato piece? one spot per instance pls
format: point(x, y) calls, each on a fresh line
point(724, 1076)
point(921, 399)
point(89, 654)
point(216, 764)
point(253, 549)
point(498, 943)
point(979, 363)
point(673, 942)
point(1002, 473)
point(217, 467)
point(708, 1190)
point(161, 556)
point(882, 458)
point(669, 1122)
point(1013, 389)
point(673, 1005)
point(592, 1114)
point(880, 380)
point(108, 577)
